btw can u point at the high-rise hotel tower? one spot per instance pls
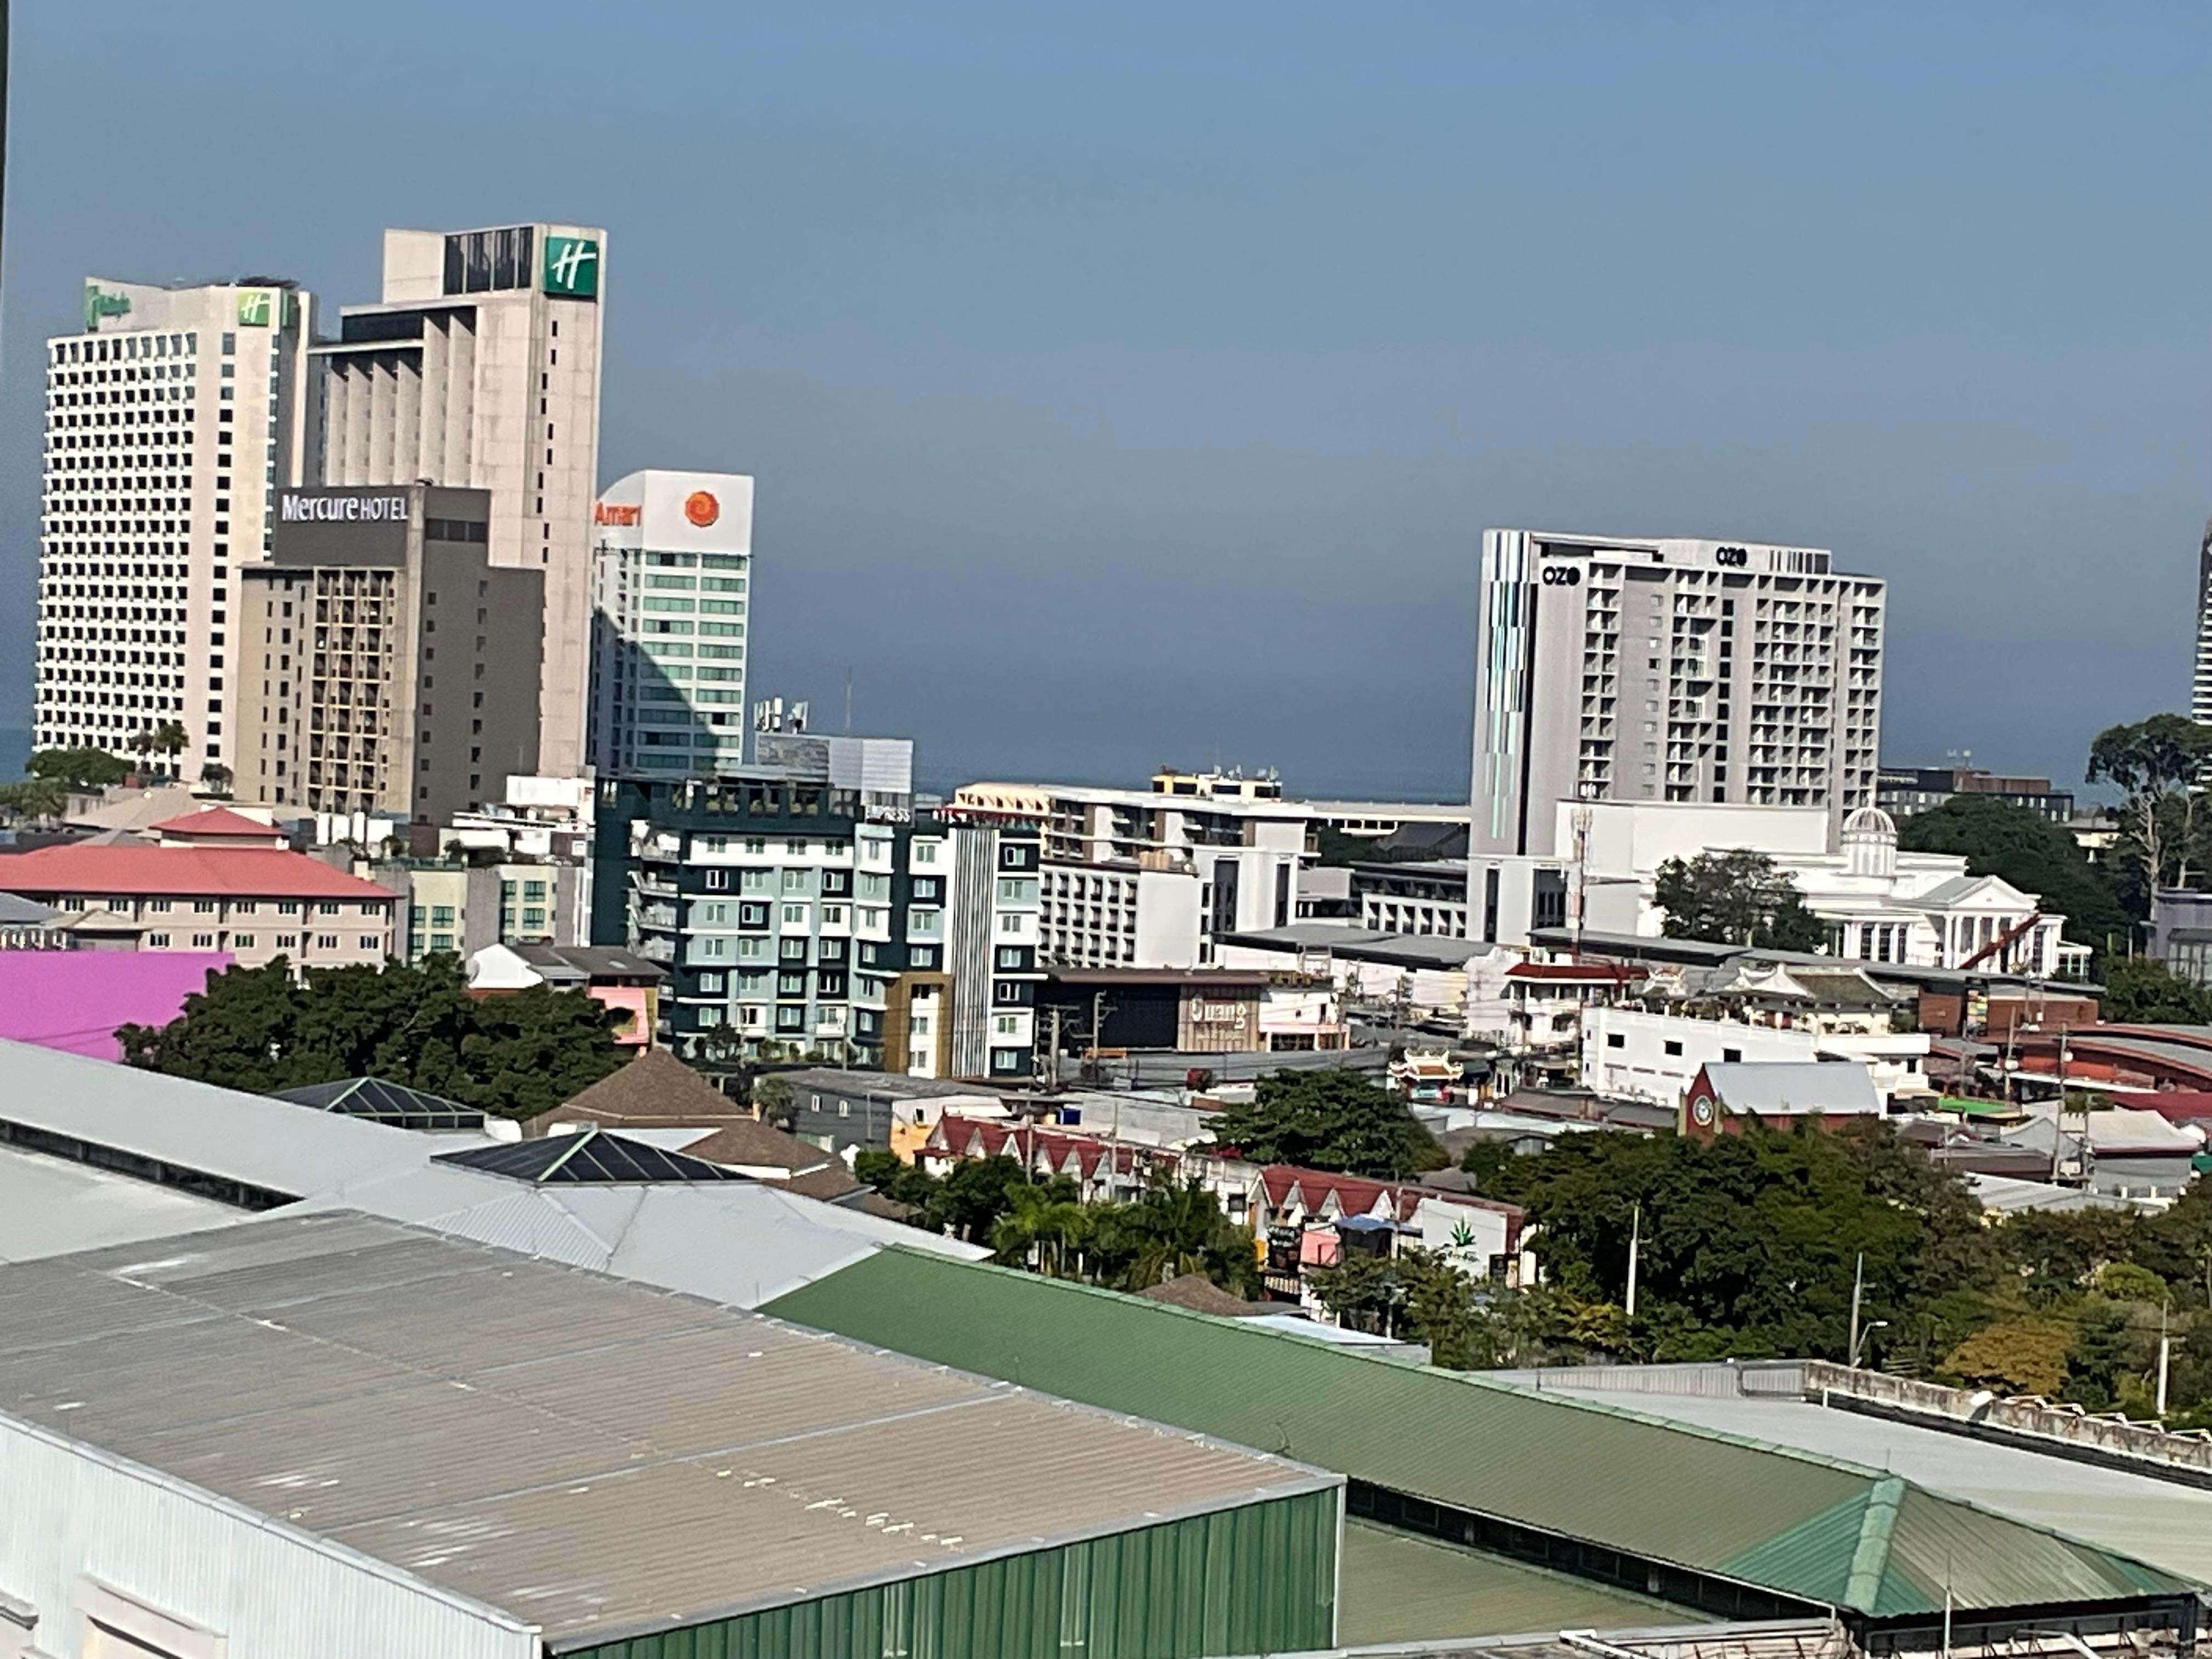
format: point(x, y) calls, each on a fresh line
point(173, 419)
point(479, 369)
point(1613, 669)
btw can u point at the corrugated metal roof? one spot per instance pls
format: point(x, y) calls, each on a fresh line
point(591, 1456)
point(1400, 1588)
point(1696, 1498)
point(735, 1242)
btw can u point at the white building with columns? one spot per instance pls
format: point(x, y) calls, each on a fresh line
point(1879, 904)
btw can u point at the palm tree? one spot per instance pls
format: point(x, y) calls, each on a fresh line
point(34, 798)
point(169, 739)
point(216, 779)
point(1177, 1228)
point(143, 745)
point(1044, 1226)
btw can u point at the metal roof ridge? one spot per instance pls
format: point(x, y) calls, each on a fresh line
point(2103, 1552)
point(1481, 1379)
point(1871, 1559)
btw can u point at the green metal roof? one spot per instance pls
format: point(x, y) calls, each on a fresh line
point(1808, 1527)
point(1400, 1588)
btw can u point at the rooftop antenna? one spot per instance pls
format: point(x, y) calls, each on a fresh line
point(848, 702)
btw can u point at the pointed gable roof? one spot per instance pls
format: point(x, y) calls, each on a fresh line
point(590, 1156)
point(217, 824)
point(655, 1090)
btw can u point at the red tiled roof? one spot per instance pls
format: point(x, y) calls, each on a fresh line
point(217, 821)
point(235, 871)
point(956, 1136)
point(1357, 1196)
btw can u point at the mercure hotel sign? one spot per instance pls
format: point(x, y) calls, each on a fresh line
point(297, 508)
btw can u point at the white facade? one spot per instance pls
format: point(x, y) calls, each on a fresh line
point(1104, 916)
point(1880, 904)
point(480, 366)
point(1246, 853)
point(2200, 689)
point(1630, 1054)
point(87, 1536)
point(171, 422)
point(1669, 670)
point(672, 580)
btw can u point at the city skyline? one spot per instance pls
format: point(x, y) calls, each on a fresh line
point(1197, 400)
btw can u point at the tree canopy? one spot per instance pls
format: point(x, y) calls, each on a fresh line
point(1328, 1118)
point(1749, 1244)
point(2155, 763)
point(80, 768)
point(1736, 897)
point(1172, 1228)
point(516, 1054)
point(2000, 838)
point(2139, 991)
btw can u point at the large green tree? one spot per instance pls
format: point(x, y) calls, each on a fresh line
point(2000, 838)
point(1748, 1243)
point(80, 768)
point(260, 1029)
point(2139, 991)
point(1328, 1118)
point(2157, 764)
point(1736, 897)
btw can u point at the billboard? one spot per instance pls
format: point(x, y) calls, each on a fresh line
point(677, 513)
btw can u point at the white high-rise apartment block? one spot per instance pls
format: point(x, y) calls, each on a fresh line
point(672, 562)
point(1668, 671)
point(2200, 691)
point(480, 368)
point(171, 420)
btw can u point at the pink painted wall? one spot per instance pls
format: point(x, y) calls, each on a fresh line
point(74, 999)
point(639, 1002)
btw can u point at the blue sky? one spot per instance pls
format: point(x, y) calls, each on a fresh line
point(1129, 384)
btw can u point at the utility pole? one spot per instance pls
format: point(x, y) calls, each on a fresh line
point(2164, 1358)
point(1578, 879)
point(1635, 1238)
point(2058, 1117)
point(1052, 1053)
point(1858, 1291)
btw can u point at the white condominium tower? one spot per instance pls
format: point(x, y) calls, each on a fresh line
point(1610, 669)
point(171, 421)
point(480, 368)
point(2200, 689)
point(674, 571)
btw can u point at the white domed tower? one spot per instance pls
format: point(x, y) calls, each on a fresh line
point(1870, 843)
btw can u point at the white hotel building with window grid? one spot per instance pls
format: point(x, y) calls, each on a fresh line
point(479, 367)
point(171, 420)
point(671, 604)
point(1668, 671)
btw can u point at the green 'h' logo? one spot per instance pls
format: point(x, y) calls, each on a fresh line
point(98, 305)
point(254, 306)
point(572, 267)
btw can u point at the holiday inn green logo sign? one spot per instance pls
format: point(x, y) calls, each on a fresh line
point(572, 267)
point(255, 308)
point(98, 305)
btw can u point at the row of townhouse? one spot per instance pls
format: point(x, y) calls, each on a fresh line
point(1301, 1219)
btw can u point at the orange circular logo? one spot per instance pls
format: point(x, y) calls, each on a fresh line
point(701, 508)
